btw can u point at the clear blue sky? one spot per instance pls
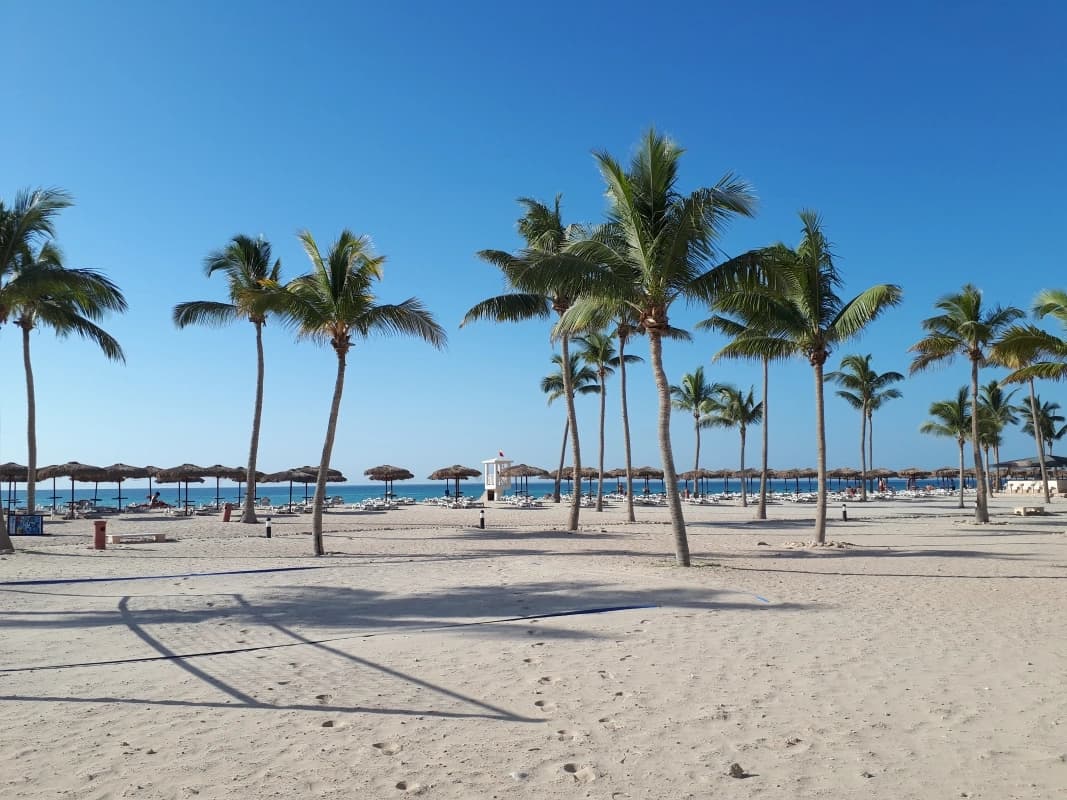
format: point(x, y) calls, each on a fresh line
point(929, 136)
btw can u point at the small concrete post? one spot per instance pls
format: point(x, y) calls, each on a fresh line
point(844, 512)
point(481, 519)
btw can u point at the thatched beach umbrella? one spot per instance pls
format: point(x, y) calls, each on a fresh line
point(696, 475)
point(13, 473)
point(456, 472)
point(311, 474)
point(646, 473)
point(524, 472)
point(120, 472)
point(219, 472)
point(183, 473)
point(387, 473)
point(74, 470)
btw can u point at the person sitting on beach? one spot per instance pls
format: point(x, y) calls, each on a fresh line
point(155, 502)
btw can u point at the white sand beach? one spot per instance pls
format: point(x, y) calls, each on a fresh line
point(925, 660)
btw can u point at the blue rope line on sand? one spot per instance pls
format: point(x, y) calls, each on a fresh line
point(155, 577)
point(182, 656)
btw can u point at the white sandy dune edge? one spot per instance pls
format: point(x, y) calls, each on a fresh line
point(926, 660)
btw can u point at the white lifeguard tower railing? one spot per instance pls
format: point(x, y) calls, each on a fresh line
point(496, 483)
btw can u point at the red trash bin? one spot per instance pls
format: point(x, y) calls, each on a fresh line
point(100, 534)
point(226, 509)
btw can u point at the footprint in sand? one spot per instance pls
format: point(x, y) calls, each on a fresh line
point(388, 748)
point(409, 786)
point(580, 774)
point(547, 679)
point(322, 698)
point(566, 736)
point(546, 705)
point(608, 676)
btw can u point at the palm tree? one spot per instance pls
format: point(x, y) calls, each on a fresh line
point(658, 246)
point(24, 226)
point(581, 380)
point(1047, 420)
point(952, 418)
point(997, 413)
point(253, 283)
point(739, 320)
point(535, 292)
point(861, 385)
point(334, 304)
point(44, 293)
point(964, 328)
point(1021, 348)
point(599, 353)
point(732, 408)
point(693, 395)
point(809, 319)
point(881, 393)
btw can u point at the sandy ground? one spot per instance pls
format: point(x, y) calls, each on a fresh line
point(926, 660)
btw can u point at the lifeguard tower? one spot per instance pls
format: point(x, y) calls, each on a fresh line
point(496, 483)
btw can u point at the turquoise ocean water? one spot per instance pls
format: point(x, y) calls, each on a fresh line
point(106, 494)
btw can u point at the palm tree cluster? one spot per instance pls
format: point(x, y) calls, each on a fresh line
point(38, 290)
point(333, 304)
point(994, 336)
point(659, 245)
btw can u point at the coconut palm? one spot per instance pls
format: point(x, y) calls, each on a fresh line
point(809, 319)
point(43, 293)
point(952, 418)
point(860, 385)
point(581, 380)
point(536, 291)
point(1023, 349)
point(1047, 422)
point(964, 328)
point(998, 413)
point(738, 320)
point(598, 352)
point(658, 246)
point(730, 407)
point(253, 282)
point(25, 225)
point(692, 395)
point(881, 393)
point(334, 304)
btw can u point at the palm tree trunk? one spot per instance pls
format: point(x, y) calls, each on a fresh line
point(327, 452)
point(863, 455)
point(568, 390)
point(961, 473)
point(600, 477)
point(562, 459)
point(626, 432)
point(820, 433)
point(670, 476)
point(870, 443)
point(1037, 440)
point(981, 508)
point(991, 492)
point(996, 478)
point(248, 513)
point(696, 427)
point(761, 510)
point(744, 478)
point(31, 425)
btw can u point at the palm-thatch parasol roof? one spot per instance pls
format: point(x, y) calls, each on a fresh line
point(388, 473)
point(74, 470)
point(456, 472)
point(524, 472)
point(119, 472)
